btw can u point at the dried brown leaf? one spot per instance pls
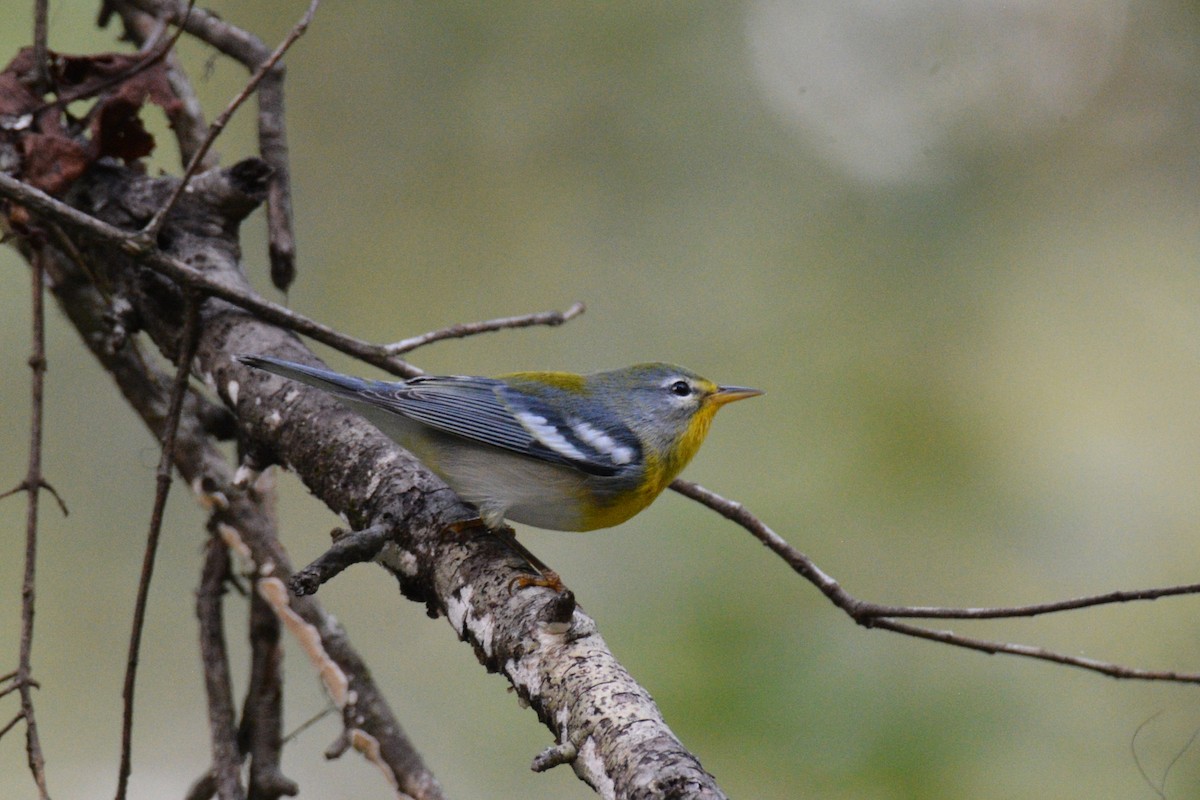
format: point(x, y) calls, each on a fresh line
point(52, 162)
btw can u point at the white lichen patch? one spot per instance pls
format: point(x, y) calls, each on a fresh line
point(479, 629)
point(484, 629)
point(209, 381)
point(524, 676)
point(563, 720)
point(456, 609)
point(273, 420)
point(291, 395)
point(231, 391)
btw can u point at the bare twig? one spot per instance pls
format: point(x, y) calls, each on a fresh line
point(149, 234)
point(352, 547)
point(873, 615)
point(33, 484)
point(550, 318)
point(1036, 609)
point(1028, 651)
point(187, 351)
point(308, 723)
point(1137, 759)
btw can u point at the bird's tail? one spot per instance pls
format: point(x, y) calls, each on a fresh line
point(328, 380)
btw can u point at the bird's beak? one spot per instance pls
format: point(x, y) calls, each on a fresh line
point(727, 394)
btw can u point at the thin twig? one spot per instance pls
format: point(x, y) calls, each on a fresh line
point(1036, 609)
point(462, 330)
point(308, 723)
point(1028, 651)
point(150, 232)
point(33, 483)
point(873, 615)
point(189, 338)
point(1137, 759)
point(186, 275)
point(23, 486)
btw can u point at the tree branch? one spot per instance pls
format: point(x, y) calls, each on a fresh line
point(874, 615)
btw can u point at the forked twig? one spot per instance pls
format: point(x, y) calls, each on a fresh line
point(874, 615)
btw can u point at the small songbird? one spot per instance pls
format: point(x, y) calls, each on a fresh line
point(549, 449)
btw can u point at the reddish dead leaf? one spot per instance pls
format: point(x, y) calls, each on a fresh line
point(52, 162)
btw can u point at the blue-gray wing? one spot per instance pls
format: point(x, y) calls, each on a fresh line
point(486, 410)
point(463, 406)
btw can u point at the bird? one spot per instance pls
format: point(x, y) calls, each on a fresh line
point(554, 450)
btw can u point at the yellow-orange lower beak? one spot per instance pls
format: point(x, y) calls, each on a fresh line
point(727, 394)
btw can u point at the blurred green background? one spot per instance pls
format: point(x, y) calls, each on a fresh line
point(958, 245)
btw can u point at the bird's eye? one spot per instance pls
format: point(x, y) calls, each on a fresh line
point(680, 388)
